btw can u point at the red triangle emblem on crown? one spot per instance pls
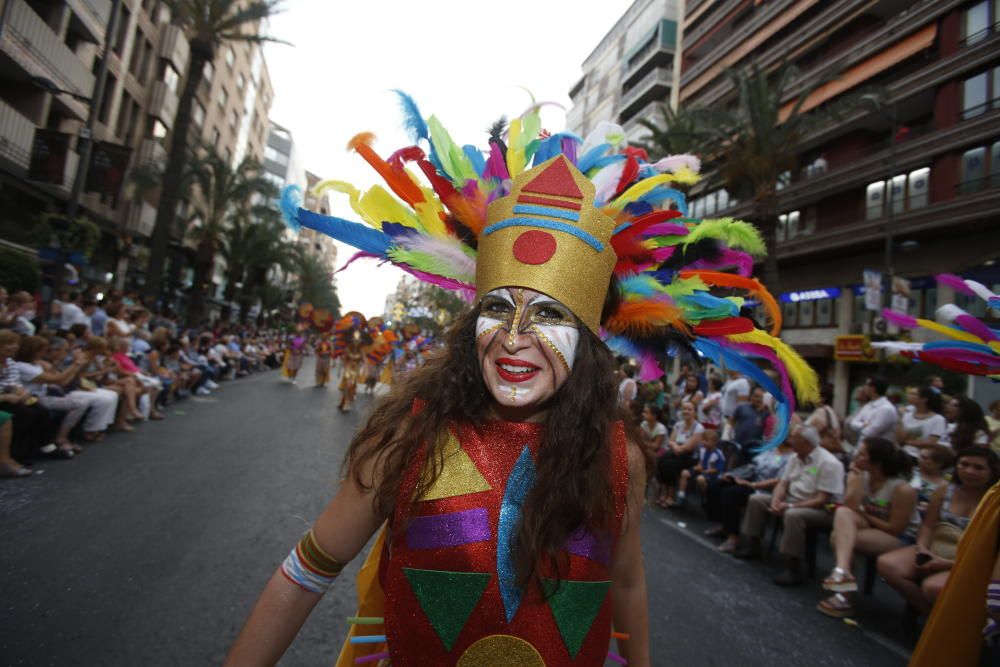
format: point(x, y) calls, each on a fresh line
point(555, 180)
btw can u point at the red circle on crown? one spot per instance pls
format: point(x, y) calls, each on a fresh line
point(534, 247)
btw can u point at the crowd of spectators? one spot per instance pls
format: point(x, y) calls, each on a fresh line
point(893, 482)
point(91, 365)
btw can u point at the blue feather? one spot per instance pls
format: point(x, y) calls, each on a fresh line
point(476, 158)
point(958, 345)
point(354, 234)
point(638, 208)
point(602, 162)
point(413, 122)
point(587, 160)
point(288, 203)
point(394, 230)
point(658, 194)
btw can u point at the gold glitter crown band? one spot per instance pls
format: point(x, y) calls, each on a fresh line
point(547, 236)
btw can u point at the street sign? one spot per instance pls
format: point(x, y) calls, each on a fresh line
point(873, 290)
point(853, 348)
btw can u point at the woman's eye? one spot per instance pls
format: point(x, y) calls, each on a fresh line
point(497, 307)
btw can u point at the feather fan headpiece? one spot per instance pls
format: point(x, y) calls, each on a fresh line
point(681, 281)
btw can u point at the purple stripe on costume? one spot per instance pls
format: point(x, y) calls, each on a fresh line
point(584, 543)
point(439, 531)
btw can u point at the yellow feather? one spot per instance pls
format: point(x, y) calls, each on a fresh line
point(646, 185)
point(380, 206)
point(352, 192)
point(803, 377)
point(515, 152)
point(430, 210)
point(950, 332)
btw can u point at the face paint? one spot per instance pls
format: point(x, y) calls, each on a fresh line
point(526, 343)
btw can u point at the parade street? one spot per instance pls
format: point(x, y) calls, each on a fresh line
point(151, 547)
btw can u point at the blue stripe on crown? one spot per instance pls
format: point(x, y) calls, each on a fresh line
point(547, 211)
point(567, 228)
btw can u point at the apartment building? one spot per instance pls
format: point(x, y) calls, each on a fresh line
point(922, 168)
point(630, 72)
point(60, 41)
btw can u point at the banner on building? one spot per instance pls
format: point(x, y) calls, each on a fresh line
point(873, 290)
point(108, 164)
point(49, 152)
point(853, 348)
point(900, 302)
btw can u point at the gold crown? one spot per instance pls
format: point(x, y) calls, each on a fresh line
point(547, 236)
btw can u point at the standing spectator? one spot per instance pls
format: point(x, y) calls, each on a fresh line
point(71, 312)
point(710, 409)
point(709, 464)
point(21, 311)
point(812, 479)
point(878, 417)
point(920, 572)
point(726, 498)
point(967, 425)
point(736, 390)
point(748, 419)
point(681, 449)
point(654, 433)
point(922, 426)
point(98, 317)
point(878, 509)
point(628, 389)
point(993, 422)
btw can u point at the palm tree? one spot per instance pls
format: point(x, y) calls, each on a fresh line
point(681, 132)
point(208, 24)
point(316, 284)
point(228, 193)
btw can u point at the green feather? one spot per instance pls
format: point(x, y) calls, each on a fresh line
point(452, 157)
point(735, 234)
point(427, 263)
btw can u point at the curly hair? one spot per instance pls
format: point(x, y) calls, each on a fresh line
point(573, 480)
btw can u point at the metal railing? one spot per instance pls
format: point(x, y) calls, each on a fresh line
point(659, 75)
point(16, 136)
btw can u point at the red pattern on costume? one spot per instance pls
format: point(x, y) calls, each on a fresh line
point(494, 449)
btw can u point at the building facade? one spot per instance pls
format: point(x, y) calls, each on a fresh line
point(908, 184)
point(631, 72)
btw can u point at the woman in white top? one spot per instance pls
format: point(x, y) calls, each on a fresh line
point(691, 393)
point(628, 389)
point(679, 455)
point(117, 326)
point(654, 433)
point(923, 426)
point(878, 509)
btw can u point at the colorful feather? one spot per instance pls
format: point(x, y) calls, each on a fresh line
point(413, 121)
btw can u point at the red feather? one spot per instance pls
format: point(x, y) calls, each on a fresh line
point(724, 327)
point(629, 174)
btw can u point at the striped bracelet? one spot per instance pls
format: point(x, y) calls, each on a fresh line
point(309, 566)
point(993, 595)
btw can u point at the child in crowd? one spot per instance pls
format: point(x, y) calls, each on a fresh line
point(711, 463)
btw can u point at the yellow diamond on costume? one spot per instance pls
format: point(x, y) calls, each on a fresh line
point(459, 476)
point(501, 651)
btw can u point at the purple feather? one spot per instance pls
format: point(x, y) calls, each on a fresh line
point(742, 261)
point(569, 146)
point(901, 320)
point(975, 327)
point(357, 256)
point(666, 229)
point(957, 283)
point(496, 167)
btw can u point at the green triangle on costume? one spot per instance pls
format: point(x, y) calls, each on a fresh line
point(575, 605)
point(459, 476)
point(447, 598)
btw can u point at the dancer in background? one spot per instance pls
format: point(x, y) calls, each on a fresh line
point(324, 353)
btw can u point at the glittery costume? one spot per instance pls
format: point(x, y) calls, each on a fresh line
point(451, 597)
point(324, 352)
point(293, 356)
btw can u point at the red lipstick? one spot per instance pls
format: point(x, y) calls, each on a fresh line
point(531, 370)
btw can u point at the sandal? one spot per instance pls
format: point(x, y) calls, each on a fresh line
point(661, 503)
point(726, 547)
point(836, 606)
point(13, 471)
point(840, 581)
point(715, 532)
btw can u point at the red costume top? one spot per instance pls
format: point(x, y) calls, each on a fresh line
point(449, 579)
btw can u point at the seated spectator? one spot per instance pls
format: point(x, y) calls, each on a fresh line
point(811, 479)
point(117, 325)
point(929, 474)
point(749, 419)
point(102, 403)
point(101, 371)
point(71, 312)
point(654, 433)
point(21, 312)
point(153, 363)
point(34, 429)
point(710, 463)
point(125, 367)
point(726, 498)
point(877, 418)
point(967, 425)
point(187, 377)
point(920, 572)
point(826, 423)
point(922, 426)
point(691, 393)
point(679, 455)
point(9, 467)
point(878, 510)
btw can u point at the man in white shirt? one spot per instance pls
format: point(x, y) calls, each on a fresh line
point(735, 391)
point(72, 313)
point(878, 417)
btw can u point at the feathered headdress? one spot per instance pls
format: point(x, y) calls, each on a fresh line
point(969, 345)
point(681, 281)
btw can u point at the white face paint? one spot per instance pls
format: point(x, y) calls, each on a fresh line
point(527, 344)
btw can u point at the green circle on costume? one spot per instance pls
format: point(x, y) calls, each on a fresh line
point(501, 651)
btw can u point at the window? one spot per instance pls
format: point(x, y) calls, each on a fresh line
point(230, 56)
point(158, 130)
point(995, 165)
point(781, 233)
point(980, 20)
point(208, 72)
point(974, 95)
point(709, 204)
point(909, 192)
point(223, 97)
point(784, 179)
point(240, 82)
point(793, 225)
point(973, 170)
point(874, 196)
point(270, 153)
point(824, 312)
point(896, 196)
point(234, 119)
point(170, 77)
point(806, 309)
point(723, 200)
point(790, 314)
point(198, 113)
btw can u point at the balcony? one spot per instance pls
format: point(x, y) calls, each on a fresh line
point(141, 217)
point(30, 42)
point(654, 49)
point(16, 136)
point(655, 86)
point(92, 17)
point(174, 47)
point(163, 103)
point(151, 151)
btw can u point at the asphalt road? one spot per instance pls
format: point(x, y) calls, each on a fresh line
point(151, 547)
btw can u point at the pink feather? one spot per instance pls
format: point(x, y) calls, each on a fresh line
point(742, 261)
point(446, 283)
point(357, 256)
point(957, 283)
point(666, 229)
point(975, 327)
point(901, 320)
point(649, 368)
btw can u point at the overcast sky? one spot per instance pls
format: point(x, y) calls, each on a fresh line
point(464, 62)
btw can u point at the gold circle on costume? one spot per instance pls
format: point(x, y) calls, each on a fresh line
point(501, 651)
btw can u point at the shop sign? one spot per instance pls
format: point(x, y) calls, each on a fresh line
point(873, 290)
point(810, 295)
point(853, 348)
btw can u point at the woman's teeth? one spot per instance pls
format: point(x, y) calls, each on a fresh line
point(517, 369)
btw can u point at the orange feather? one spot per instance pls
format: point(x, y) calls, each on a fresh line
point(397, 179)
point(642, 318)
point(754, 286)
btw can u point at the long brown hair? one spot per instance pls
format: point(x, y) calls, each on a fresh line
point(573, 473)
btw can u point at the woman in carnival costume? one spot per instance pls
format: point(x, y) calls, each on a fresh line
point(966, 615)
point(506, 486)
point(294, 345)
point(351, 332)
point(324, 354)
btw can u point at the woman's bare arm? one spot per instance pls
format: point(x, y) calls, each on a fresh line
point(629, 603)
point(342, 530)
